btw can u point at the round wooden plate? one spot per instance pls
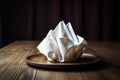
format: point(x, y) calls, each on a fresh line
point(40, 61)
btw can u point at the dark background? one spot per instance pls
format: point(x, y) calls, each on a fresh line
point(95, 20)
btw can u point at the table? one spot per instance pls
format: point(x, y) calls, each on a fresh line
point(13, 65)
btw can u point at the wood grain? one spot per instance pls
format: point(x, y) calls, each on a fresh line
point(13, 65)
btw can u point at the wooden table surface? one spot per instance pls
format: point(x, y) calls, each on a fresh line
point(13, 65)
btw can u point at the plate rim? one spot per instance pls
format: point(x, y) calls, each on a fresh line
point(46, 65)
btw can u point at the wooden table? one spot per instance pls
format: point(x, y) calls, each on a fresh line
point(13, 65)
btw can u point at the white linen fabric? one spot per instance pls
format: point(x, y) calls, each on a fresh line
point(61, 44)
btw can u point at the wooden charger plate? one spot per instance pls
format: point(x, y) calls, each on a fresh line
point(40, 61)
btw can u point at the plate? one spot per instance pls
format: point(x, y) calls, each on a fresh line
point(40, 61)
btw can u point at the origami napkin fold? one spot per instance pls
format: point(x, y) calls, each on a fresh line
point(62, 44)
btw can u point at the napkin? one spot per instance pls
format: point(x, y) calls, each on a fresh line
point(62, 44)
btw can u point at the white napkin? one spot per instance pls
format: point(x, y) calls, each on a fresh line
point(61, 44)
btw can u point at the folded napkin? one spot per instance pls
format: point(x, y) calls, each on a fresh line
point(61, 44)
